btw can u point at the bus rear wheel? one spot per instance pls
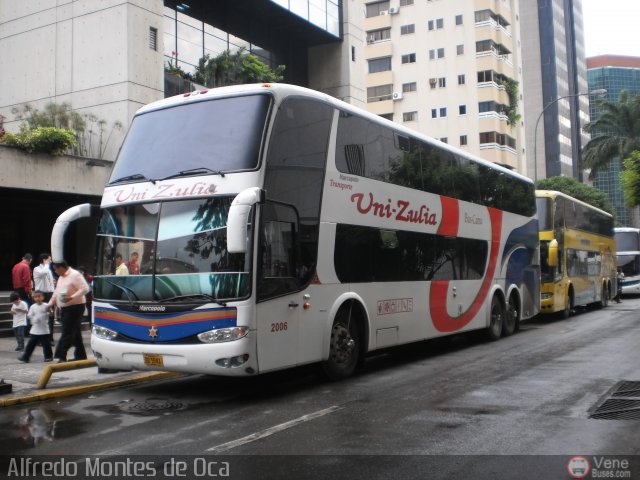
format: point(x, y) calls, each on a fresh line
point(494, 330)
point(511, 322)
point(344, 348)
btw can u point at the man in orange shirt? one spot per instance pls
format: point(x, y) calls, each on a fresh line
point(69, 296)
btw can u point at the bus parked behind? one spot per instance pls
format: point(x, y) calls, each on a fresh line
point(628, 258)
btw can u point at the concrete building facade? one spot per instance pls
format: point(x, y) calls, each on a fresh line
point(555, 86)
point(444, 69)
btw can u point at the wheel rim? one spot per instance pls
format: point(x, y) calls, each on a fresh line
point(512, 313)
point(343, 345)
point(496, 317)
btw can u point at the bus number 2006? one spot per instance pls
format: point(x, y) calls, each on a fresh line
point(279, 327)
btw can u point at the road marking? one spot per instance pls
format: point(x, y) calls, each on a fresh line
point(275, 429)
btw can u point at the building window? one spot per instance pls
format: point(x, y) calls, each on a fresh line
point(444, 139)
point(374, 36)
point(430, 24)
point(443, 112)
point(379, 64)
point(407, 29)
point(440, 23)
point(432, 54)
point(458, 19)
point(153, 38)
point(404, 3)
point(441, 53)
point(409, 116)
point(374, 9)
point(379, 93)
point(460, 49)
point(409, 58)
point(442, 82)
point(434, 113)
point(463, 140)
point(388, 116)
point(462, 109)
point(461, 79)
point(409, 87)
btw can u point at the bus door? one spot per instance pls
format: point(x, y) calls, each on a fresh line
point(278, 288)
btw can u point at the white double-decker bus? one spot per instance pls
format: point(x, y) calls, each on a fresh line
point(276, 226)
point(628, 257)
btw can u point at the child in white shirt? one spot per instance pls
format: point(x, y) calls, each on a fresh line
point(19, 310)
point(39, 317)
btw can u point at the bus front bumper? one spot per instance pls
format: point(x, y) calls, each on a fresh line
point(234, 358)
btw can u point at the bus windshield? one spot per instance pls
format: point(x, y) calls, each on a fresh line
point(173, 251)
point(627, 242)
point(221, 136)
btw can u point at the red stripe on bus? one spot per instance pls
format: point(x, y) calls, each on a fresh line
point(439, 289)
point(450, 217)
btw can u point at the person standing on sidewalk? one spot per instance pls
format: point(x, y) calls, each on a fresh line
point(69, 296)
point(21, 276)
point(39, 317)
point(43, 281)
point(19, 311)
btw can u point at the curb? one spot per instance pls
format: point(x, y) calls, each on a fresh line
point(80, 389)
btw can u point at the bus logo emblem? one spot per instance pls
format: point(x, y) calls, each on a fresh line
point(153, 332)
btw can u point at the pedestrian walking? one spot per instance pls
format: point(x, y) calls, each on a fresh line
point(39, 317)
point(44, 282)
point(69, 296)
point(619, 279)
point(21, 276)
point(19, 311)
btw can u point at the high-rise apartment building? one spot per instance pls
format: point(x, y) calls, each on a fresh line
point(555, 86)
point(451, 70)
point(614, 73)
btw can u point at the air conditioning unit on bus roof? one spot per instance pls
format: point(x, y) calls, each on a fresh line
point(397, 95)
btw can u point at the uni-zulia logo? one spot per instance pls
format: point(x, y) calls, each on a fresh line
point(578, 467)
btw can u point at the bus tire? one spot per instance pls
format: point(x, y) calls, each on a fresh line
point(568, 308)
point(604, 300)
point(496, 319)
point(344, 347)
point(511, 323)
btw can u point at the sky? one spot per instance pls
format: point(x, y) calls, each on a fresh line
point(611, 27)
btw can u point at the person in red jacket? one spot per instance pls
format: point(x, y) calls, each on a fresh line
point(21, 276)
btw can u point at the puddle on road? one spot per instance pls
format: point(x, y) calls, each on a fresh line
point(29, 428)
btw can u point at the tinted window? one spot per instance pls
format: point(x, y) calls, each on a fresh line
point(222, 134)
point(293, 181)
point(627, 241)
point(544, 213)
point(371, 150)
point(365, 254)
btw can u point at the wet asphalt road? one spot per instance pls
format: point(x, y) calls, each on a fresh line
point(529, 394)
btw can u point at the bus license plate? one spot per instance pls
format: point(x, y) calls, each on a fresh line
point(153, 360)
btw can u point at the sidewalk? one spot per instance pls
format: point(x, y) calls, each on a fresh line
point(24, 377)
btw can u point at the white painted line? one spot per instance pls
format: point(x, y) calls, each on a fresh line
point(275, 429)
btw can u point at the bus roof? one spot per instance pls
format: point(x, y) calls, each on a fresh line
point(282, 90)
point(626, 230)
point(554, 193)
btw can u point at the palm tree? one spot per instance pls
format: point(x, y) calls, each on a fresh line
point(616, 130)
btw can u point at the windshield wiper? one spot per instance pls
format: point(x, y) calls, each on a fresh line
point(194, 295)
point(135, 176)
point(195, 171)
point(127, 291)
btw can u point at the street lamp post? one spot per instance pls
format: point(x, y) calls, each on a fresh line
point(600, 92)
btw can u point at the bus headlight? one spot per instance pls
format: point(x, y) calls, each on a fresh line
point(545, 296)
point(223, 334)
point(104, 333)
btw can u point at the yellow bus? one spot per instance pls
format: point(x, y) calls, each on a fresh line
point(577, 253)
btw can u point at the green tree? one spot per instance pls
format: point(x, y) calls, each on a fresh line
point(630, 179)
point(575, 189)
point(235, 69)
point(616, 132)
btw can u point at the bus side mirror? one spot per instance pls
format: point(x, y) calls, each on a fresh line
point(553, 253)
point(238, 218)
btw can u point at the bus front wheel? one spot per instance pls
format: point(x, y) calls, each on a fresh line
point(344, 348)
point(494, 330)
